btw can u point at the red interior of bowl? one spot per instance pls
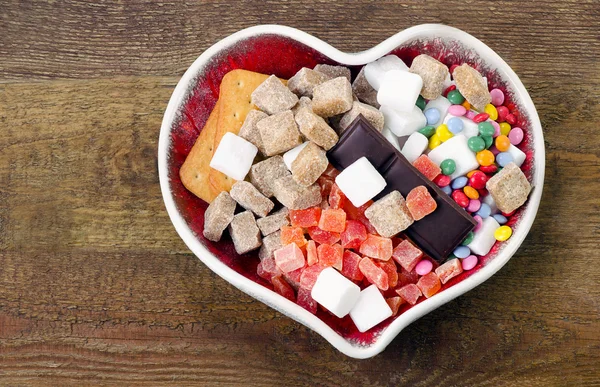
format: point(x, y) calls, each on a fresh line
point(282, 56)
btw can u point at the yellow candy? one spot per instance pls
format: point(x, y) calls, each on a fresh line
point(434, 141)
point(491, 110)
point(502, 233)
point(504, 128)
point(471, 173)
point(485, 157)
point(471, 192)
point(443, 133)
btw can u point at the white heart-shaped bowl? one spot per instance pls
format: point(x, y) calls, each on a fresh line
point(282, 51)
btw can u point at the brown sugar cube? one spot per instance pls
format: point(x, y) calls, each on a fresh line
point(389, 215)
point(250, 132)
point(374, 116)
point(432, 72)
point(310, 163)
point(294, 196)
point(472, 86)
point(364, 91)
point(273, 97)
point(303, 83)
point(316, 129)
point(279, 133)
point(270, 243)
point(270, 224)
point(333, 71)
point(250, 198)
point(332, 97)
point(509, 188)
point(218, 215)
point(264, 173)
point(244, 233)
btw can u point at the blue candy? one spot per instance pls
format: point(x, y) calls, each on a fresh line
point(484, 211)
point(432, 115)
point(455, 125)
point(447, 190)
point(504, 158)
point(459, 182)
point(462, 252)
point(501, 219)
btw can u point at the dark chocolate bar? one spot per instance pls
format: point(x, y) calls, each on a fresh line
point(437, 234)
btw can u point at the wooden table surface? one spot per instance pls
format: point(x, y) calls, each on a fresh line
point(96, 287)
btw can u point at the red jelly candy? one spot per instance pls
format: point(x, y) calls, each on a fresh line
point(292, 235)
point(427, 167)
point(306, 301)
point(350, 266)
point(407, 255)
point(331, 172)
point(331, 255)
point(373, 273)
point(502, 113)
point(337, 198)
point(405, 277)
point(325, 183)
point(323, 237)
point(377, 247)
point(311, 253)
point(354, 234)
point(410, 293)
point(333, 220)
point(289, 258)
point(293, 277)
point(429, 284)
point(478, 180)
point(460, 198)
point(267, 269)
point(480, 117)
point(309, 276)
point(394, 304)
point(420, 203)
point(442, 180)
point(449, 270)
point(282, 287)
point(391, 270)
point(305, 218)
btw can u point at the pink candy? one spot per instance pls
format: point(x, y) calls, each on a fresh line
point(423, 267)
point(497, 97)
point(457, 110)
point(496, 128)
point(515, 136)
point(469, 262)
point(474, 205)
point(479, 221)
point(470, 114)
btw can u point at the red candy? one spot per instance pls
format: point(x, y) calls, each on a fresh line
point(306, 301)
point(409, 293)
point(289, 258)
point(311, 253)
point(427, 167)
point(480, 117)
point(407, 255)
point(373, 273)
point(309, 276)
point(502, 113)
point(321, 236)
point(429, 284)
point(449, 89)
point(488, 168)
point(293, 277)
point(452, 70)
point(333, 220)
point(511, 119)
point(442, 180)
point(282, 287)
point(394, 304)
point(350, 266)
point(337, 199)
point(331, 255)
point(460, 198)
point(354, 234)
point(305, 218)
point(420, 203)
point(478, 180)
point(391, 270)
point(449, 270)
point(507, 214)
point(292, 235)
point(377, 247)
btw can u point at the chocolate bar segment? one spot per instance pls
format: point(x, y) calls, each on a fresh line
point(440, 232)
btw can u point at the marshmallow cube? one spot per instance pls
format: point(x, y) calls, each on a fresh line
point(370, 309)
point(470, 128)
point(484, 237)
point(360, 182)
point(335, 292)
point(414, 146)
point(456, 149)
point(399, 90)
point(375, 71)
point(517, 154)
point(391, 137)
point(290, 156)
point(441, 104)
point(234, 156)
point(403, 123)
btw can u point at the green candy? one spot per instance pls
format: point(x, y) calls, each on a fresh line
point(421, 103)
point(469, 238)
point(455, 97)
point(427, 131)
point(476, 143)
point(486, 128)
point(489, 140)
point(448, 167)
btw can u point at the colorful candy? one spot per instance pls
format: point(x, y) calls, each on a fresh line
point(448, 167)
point(497, 97)
point(432, 115)
point(427, 131)
point(455, 125)
point(457, 110)
point(502, 143)
point(485, 157)
point(460, 198)
point(504, 128)
point(443, 133)
point(471, 192)
point(491, 111)
point(423, 267)
point(476, 143)
point(455, 97)
point(504, 158)
point(469, 262)
point(459, 182)
point(515, 136)
point(486, 128)
point(502, 233)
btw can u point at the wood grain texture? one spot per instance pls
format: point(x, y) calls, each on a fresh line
point(96, 288)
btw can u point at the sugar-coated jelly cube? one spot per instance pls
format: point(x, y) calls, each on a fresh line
point(373, 273)
point(291, 234)
point(350, 267)
point(309, 276)
point(289, 258)
point(333, 220)
point(427, 167)
point(429, 284)
point(305, 218)
point(354, 234)
point(322, 236)
point(306, 301)
point(420, 203)
point(281, 286)
point(394, 304)
point(377, 247)
point(331, 255)
point(311, 253)
point(410, 293)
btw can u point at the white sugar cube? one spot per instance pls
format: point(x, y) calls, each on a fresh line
point(370, 309)
point(414, 146)
point(391, 137)
point(403, 123)
point(399, 90)
point(335, 292)
point(456, 149)
point(360, 182)
point(470, 128)
point(441, 104)
point(290, 156)
point(484, 237)
point(375, 71)
point(234, 156)
point(517, 154)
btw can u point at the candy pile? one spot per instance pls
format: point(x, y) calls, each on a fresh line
point(344, 220)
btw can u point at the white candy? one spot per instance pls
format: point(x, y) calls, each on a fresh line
point(403, 123)
point(375, 71)
point(360, 182)
point(441, 104)
point(455, 148)
point(517, 154)
point(370, 309)
point(484, 237)
point(414, 146)
point(290, 156)
point(489, 200)
point(234, 156)
point(399, 90)
point(391, 137)
point(470, 128)
point(335, 292)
